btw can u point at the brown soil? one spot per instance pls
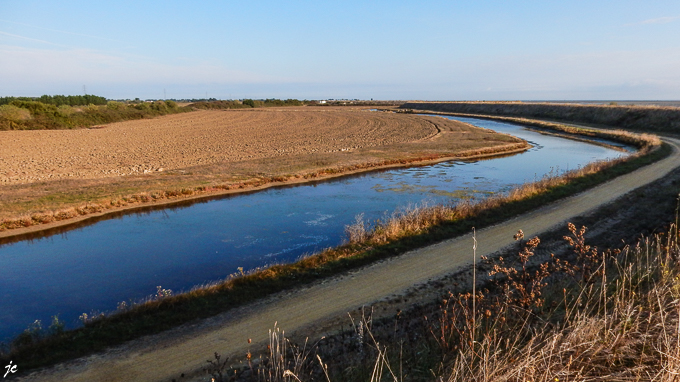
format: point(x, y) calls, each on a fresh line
point(168, 356)
point(48, 170)
point(185, 140)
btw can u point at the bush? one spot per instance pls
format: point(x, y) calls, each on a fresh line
point(35, 107)
point(159, 106)
point(14, 113)
point(91, 108)
point(66, 110)
point(144, 106)
point(59, 100)
point(114, 105)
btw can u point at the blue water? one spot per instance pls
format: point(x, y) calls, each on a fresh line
point(124, 258)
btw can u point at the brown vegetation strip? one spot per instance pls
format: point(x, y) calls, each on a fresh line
point(166, 356)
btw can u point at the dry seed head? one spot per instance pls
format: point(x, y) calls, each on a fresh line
point(519, 235)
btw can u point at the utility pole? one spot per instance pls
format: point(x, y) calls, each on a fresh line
point(164, 95)
point(84, 90)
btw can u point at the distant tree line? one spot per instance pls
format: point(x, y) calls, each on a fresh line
point(68, 112)
point(59, 100)
point(246, 103)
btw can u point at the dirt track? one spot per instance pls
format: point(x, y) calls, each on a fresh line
point(166, 356)
point(199, 138)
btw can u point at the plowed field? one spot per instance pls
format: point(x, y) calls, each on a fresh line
point(185, 140)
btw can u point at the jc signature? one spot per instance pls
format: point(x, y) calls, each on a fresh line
point(10, 369)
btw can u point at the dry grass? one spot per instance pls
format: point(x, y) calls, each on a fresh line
point(620, 323)
point(286, 361)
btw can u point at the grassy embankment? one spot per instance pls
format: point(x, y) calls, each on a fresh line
point(404, 231)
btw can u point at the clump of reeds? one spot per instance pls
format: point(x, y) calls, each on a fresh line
point(409, 220)
point(286, 361)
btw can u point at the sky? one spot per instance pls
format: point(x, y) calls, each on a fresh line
point(389, 50)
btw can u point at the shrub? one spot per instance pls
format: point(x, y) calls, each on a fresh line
point(143, 106)
point(14, 113)
point(56, 327)
point(35, 107)
point(91, 108)
point(114, 105)
point(158, 106)
point(66, 110)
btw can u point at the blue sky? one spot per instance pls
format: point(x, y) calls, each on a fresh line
point(431, 50)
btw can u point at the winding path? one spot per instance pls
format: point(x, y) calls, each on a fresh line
point(165, 356)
